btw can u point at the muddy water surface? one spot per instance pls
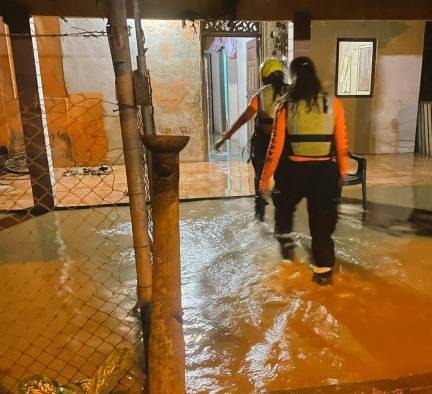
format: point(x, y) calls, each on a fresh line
point(254, 324)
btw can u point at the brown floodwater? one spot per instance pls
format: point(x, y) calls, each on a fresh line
point(252, 323)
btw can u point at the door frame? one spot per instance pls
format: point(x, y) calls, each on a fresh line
point(223, 28)
point(208, 83)
point(251, 123)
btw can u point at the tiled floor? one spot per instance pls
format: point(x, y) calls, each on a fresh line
point(218, 179)
point(404, 169)
point(198, 180)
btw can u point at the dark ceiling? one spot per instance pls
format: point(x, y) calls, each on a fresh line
point(237, 9)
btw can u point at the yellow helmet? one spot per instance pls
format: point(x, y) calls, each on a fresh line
point(269, 66)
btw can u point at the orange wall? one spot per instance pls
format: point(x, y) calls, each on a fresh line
point(75, 120)
point(10, 121)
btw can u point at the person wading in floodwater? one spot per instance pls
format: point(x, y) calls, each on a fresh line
point(262, 104)
point(308, 157)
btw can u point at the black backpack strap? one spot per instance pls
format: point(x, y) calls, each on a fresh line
point(310, 137)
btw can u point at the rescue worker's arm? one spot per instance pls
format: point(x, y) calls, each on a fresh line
point(247, 115)
point(341, 138)
point(274, 150)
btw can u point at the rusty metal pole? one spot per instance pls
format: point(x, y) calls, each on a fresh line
point(167, 354)
point(120, 53)
point(142, 85)
point(143, 92)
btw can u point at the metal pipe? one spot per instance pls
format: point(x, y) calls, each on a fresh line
point(143, 86)
point(120, 53)
point(167, 354)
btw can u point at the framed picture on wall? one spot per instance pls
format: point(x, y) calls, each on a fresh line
point(355, 67)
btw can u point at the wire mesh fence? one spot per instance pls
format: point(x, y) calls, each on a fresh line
point(67, 276)
point(146, 170)
point(68, 293)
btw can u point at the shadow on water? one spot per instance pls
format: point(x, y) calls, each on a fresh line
point(420, 384)
point(396, 220)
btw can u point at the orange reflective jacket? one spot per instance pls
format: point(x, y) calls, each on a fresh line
point(277, 143)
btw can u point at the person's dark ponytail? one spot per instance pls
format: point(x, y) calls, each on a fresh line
point(306, 85)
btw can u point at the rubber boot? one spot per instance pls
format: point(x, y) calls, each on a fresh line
point(322, 278)
point(286, 246)
point(260, 204)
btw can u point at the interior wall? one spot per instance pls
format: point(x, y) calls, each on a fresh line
point(386, 122)
point(267, 45)
point(77, 73)
point(174, 61)
point(74, 114)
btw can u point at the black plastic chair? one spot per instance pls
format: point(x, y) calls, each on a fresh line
point(359, 176)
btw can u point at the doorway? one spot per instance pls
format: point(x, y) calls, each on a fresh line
point(231, 77)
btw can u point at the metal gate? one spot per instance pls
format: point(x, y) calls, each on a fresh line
point(424, 128)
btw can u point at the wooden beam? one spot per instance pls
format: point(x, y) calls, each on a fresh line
point(245, 9)
point(302, 34)
point(35, 137)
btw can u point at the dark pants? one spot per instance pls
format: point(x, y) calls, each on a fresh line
point(319, 183)
point(259, 145)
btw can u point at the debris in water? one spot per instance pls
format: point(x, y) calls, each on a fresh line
point(4, 187)
point(102, 170)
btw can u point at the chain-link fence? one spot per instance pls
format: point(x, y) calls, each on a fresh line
point(67, 276)
point(146, 157)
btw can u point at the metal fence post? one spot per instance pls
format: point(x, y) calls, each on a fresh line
point(132, 146)
point(167, 354)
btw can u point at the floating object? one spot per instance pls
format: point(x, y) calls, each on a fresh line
point(4, 187)
point(103, 382)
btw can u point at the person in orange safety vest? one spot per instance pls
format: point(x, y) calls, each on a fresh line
point(308, 157)
point(262, 105)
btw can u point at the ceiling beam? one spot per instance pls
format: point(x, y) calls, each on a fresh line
point(239, 9)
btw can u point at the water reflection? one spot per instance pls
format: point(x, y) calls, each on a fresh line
point(394, 219)
point(67, 293)
point(254, 324)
